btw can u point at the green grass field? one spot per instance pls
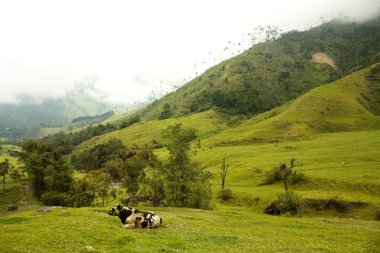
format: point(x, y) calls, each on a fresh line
point(334, 137)
point(185, 230)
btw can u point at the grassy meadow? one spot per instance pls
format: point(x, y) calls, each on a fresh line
point(330, 131)
point(185, 230)
point(237, 225)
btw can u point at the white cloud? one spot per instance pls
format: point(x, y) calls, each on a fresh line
point(48, 46)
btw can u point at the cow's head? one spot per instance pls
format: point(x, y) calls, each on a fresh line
point(115, 211)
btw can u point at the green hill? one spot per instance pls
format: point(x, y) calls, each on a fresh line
point(333, 130)
point(271, 73)
point(349, 104)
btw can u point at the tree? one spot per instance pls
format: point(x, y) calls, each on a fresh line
point(165, 113)
point(133, 172)
point(223, 171)
point(286, 171)
point(187, 181)
point(99, 185)
point(155, 178)
point(46, 167)
point(5, 169)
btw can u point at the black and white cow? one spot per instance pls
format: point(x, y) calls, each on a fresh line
point(132, 218)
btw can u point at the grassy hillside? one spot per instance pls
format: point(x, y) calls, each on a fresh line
point(332, 131)
point(146, 132)
point(348, 104)
point(185, 230)
point(274, 72)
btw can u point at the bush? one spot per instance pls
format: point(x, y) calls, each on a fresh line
point(377, 215)
point(224, 194)
point(339, 205)
point(286, 204)
point(297, 178)
point(51, 198)
point(273, 176)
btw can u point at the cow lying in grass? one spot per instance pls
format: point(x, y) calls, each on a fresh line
point(132, 218)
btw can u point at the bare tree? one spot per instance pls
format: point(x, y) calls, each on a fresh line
point(287, 171)
point(223, 171)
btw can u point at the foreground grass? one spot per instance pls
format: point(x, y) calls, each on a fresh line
point(185, 230)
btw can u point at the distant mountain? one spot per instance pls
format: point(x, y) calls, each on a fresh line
point(24, 120)
point(274, 72)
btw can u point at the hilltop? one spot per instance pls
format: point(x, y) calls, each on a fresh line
point(274, 72)
point(348, 104)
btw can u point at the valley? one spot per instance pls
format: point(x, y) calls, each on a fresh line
point(297, 104)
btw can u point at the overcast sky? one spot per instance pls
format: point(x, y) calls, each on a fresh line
point(46, 47)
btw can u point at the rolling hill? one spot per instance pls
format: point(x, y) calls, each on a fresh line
point(276, 71)
point(332, 130)
point(348, 104)
point(313, 96)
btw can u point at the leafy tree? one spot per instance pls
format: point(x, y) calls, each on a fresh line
point(108, 151)
point(155, 178)
point(98, 156)
point(133, 172)
point(46, 167)
point(113, 168)
point(165, 113)
point(87, 160)
point(5, 169)
point(80, 194)
point(187, 181)
point(99, 185)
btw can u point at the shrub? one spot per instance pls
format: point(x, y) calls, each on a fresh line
point(339, 205)
point(297, 178)
point(286, 204)
point(51, 198)
point(224, 194)
point(273, 176)
point(377, 215)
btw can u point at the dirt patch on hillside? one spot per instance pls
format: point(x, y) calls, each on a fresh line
point(323, 58)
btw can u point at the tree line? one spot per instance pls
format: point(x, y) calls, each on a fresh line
point(176, 181)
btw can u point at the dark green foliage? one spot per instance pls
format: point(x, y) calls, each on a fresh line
point(99, 184)
point(224, 194)
point(165, 113)
point(6, 170)
point(85, 161)
point(94, 119)
point(155, 177)
point(130, 121)
point(80, 194)
point(286, 203)
point(275, 175)
point(53, 198)
point(340, 206)
point(377, 215)
point(223, 171)
point(272, 176)
point(187, 181)
point(373, 76)
point(297, 178)
point(98, 156)
point(65, 143)
point(133, 173)
point(46, 168)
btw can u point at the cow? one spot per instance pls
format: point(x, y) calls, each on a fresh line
point(133, 218)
